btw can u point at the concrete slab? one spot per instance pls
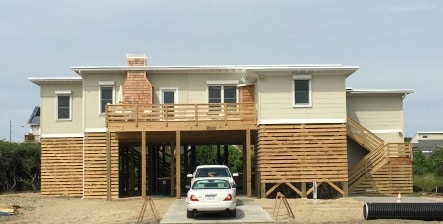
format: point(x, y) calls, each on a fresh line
point(248, 211)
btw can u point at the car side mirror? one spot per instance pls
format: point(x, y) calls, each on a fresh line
point(234, 186)
point(235, 174)
point(188, 187)
point(189, 175)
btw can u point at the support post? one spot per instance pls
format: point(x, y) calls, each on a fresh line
point(172, 169)
point(345, 189)
point(108, 165)
point(263, 190)
point(244, 179)
point(226, 155)
point(248, 164)
point(217, 158)
point(177, 165)
point(185, 160)
point(192, 158)
point(144, 165)
point(303, 190)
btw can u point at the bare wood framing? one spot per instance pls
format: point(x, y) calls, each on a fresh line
point(294, 189)
point(272, 189)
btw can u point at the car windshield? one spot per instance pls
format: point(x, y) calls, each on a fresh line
point(212, 172)
point(211, 184)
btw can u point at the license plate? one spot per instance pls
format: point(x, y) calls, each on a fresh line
point(210, 197)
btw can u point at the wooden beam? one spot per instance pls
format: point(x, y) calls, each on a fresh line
point(248, 164)
point(272, 189)
point(143, 165)
point(108, 165)
point(177, 165)
point(294, 189)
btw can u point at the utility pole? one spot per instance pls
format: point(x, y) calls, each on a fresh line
point(10, 131)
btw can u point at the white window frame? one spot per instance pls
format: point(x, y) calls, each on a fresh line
point(105, 84)
point(302, 77)
point(222, 83)
point(63, 93)
point(171, 89)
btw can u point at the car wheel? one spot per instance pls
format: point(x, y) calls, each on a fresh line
point(233, 213)
point(189, 214)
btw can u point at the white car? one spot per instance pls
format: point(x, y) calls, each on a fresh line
point(211, 194)
point(213, 171)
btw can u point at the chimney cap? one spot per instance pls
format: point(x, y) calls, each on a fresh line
point(135, 55)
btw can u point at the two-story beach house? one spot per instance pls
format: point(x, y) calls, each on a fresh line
point(115, 131)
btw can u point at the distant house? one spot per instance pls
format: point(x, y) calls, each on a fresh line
point(34, 126)
point(116, 131)
point(428, 142)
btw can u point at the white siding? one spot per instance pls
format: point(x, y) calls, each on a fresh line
point(382, 114)
point(93, 118)
point(276, 100)
point(48, 121)
point(192, 87)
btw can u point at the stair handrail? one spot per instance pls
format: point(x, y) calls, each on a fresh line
point(370, 164)
point(362, 135)
point(375, 160)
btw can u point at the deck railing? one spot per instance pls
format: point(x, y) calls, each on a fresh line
point(138, 113)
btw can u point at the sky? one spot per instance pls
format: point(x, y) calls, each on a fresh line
point(398, 44)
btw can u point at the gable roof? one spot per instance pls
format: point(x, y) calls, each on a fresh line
point(34, 119)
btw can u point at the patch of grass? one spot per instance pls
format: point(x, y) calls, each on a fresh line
point(428, 182)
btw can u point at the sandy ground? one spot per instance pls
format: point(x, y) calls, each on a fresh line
point(37, 209)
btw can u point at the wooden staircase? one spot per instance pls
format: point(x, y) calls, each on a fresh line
point(387, 168)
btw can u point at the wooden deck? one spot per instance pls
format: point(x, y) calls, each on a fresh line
point(164, 117)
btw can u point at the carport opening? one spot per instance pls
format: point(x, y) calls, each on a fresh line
point(159, 166)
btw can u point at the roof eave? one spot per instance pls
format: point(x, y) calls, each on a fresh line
point(49, 80)
point(380, 91)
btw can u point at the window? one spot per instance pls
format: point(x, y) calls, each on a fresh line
point(169, 96)
point(106, 97)
point(302, 91)
point(222, 94)
point(63, 105)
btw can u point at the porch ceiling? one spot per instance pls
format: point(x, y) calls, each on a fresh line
point(231, 137)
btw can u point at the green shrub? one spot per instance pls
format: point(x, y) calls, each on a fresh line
point(19, 166)
point(428, 182)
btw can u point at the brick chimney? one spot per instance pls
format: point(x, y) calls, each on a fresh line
point(137, 89)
